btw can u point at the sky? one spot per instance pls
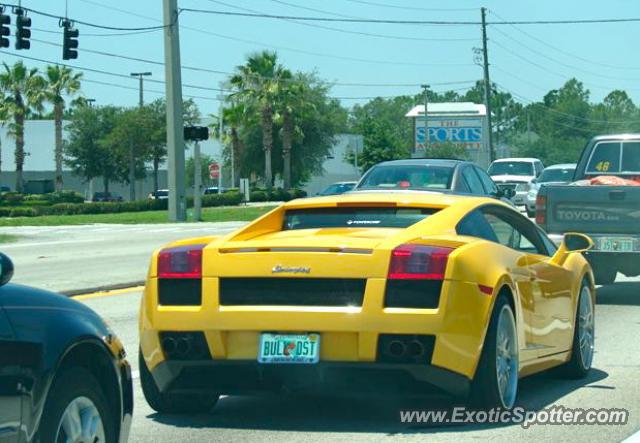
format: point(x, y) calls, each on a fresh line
point(525, 60)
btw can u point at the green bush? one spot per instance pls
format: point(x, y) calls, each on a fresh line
point(12, 198)
point(64, 197)
point(258, 196)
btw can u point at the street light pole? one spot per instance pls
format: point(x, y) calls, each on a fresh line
point(141, 76)
point(426, 118)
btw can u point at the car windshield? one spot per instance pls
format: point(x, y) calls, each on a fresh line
point(360, 217)
point(337, 188)
point(408, 177)
point(615, 157)
point(511, 168)
point(557, 175)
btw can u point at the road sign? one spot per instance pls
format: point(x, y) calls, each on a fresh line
point(214, 170)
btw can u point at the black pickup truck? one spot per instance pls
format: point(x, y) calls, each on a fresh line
point(604, 202)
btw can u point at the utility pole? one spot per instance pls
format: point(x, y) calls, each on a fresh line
point(141, 76)
point(175, 126)
point(487, 83)
point(426, 118)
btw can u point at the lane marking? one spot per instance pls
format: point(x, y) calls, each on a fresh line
point(108, 293)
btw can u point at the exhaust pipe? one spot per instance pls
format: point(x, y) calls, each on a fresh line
point(415, 349)
point(183, 346)
point(169, 345)
point(396, 348)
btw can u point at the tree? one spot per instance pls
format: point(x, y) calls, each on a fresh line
point(60, 81)
point(158, 137)
point(205, 161)
point(290, 106)
point(24, 92)
point(233, 117)
point(258, 83)
point(84, 153)
point(130, 143)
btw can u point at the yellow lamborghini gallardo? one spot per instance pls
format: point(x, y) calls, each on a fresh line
point(403, 292)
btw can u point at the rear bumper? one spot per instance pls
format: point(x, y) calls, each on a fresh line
point(242, 377)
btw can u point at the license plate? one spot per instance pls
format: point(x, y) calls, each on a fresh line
point(289, 348)
point(615, 244)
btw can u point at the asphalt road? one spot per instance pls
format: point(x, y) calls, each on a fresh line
point(63, 258)
point(613, 383)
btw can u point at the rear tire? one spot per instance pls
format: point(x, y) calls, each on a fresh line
point(172, 403)
point(582, 348)
point(496, 382)
point(604, 274)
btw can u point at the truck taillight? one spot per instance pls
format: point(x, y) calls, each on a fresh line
point(180, 262)
point(541, 209)
point(414, 262)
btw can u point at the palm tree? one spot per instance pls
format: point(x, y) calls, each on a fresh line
point(233, 117)
point(291, 102)
point(24, 92)
point(258, 83)
point(61, 80)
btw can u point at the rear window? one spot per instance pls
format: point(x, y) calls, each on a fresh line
point(360, 217)
point(556, 175)
point(408, 177)
point(614, 158)
point(511, 168)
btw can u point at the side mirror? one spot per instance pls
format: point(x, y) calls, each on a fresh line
point(6, 269)
point(572, 242)
point(575, 242)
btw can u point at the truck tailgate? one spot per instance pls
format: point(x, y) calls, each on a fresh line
point(592, 209)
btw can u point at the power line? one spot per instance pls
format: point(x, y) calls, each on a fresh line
point(106, 34)
point(411, 22)
point(82, 22)
point(133, 88)
point(547, 70)
point(410, 8)
point(330, 19)
point(559, 62)
point(346, 31)
point(567, 53)
point(219, 72)
point(285, 48)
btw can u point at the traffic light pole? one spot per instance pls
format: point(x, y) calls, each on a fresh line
point(175, 136)
point(197, 182)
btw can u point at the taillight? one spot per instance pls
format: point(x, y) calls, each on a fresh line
point(541, 209)
point(413, 262)
point(180, 262)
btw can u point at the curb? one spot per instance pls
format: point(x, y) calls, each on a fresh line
point(104, 288)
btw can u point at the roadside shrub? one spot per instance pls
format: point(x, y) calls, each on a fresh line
point(22, 212)
point(12, 198)
point(64, 197)
point(258, 196)
point(299, 193)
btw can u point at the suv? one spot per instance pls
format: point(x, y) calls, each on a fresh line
point(516, 174)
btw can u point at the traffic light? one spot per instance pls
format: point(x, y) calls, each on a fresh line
point(23, 33)
point(5, 21)
point(70, 42)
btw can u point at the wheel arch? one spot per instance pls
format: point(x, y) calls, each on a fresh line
point(93, 355)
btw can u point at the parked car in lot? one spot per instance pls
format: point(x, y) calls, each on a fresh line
point(160, 194)
point(106, 197)
point(436, 175)
point(213, 190)
point(603, 201)
point(516, 175)
point(63, 372)
point(391, 292)
point(555, 174)
point(338, 188)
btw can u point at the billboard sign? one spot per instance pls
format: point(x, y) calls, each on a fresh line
point(467, 132)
